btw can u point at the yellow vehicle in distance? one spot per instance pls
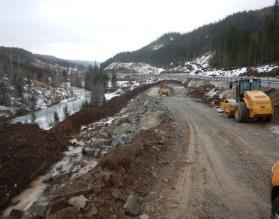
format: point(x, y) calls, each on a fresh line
point(165, 90)
point(248, 102)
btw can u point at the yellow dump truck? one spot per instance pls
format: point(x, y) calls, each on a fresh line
point(248, 102)
point(165, 90)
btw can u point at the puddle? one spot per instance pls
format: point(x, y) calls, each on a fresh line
point(72, 164)
point(25, 199)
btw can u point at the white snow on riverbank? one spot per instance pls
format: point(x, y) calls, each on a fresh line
point(35, 96)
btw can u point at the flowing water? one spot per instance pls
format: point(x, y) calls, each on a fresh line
point(45, 117)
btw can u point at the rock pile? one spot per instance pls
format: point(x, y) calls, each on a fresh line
point(123, 129)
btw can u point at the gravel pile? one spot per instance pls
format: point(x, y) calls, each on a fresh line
point(122, 129)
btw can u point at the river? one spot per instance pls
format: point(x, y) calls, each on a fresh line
point(45, 117)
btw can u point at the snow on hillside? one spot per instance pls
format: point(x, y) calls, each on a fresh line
point(35, 95)
point(124, 86)
point(237, 71)
point(45, 95)
point(157, 46)
point(197, 65)
point(265, 68)
point(203, 61)
point(133, 67)
point(200, 66)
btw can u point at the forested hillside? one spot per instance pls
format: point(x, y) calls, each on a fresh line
point(243, 39)
point(27, 79)
point(17, 64)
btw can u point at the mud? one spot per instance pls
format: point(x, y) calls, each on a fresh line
point(199, 93)
point(25, 152)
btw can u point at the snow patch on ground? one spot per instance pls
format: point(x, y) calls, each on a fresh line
point(275, 129)
point(266, 68)
point(211, 93)
point(109, 96)
point(127, 85)
point(103, 122)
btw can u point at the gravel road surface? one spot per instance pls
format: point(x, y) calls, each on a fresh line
point(222, 169)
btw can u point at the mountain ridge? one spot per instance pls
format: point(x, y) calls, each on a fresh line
point(243, 30)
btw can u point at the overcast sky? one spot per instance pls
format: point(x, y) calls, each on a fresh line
point(98, 29)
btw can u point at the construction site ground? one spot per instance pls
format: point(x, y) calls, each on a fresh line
point(222, 168)
point(190, 162)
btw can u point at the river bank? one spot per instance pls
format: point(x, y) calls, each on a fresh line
point(44, 118)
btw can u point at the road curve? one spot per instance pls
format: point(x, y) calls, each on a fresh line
point(226, 169)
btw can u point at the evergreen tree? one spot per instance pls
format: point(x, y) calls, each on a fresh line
point(95, 80)
point(66, 111)
point(56, 117)
point(33, 118)
point(114, 80)
point(85, 104)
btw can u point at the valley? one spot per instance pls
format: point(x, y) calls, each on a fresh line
point(182, 126)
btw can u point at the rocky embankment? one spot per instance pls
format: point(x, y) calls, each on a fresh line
point(120, 130)
point(27, 151)
point(129, 148)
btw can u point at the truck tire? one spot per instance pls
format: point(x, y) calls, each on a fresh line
point(241, 112)
point(267, 118)
point(275, 208)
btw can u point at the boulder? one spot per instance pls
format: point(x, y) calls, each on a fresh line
point(112, 216)
point(79, 202)
point(88, 151)
point(115, 143)
point(143, 216)
point(40, 209)
point(106, 176)
point(132, 205)
point(123, 120)
point(117, 181)
point(16, 214)
point(94, 143)
point(115, 194)
point(93, 211)
point(47, 178)
point(125, 138)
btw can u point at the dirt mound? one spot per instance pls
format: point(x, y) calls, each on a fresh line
point(131, 169)
point(200, 92)
point(25, 151)
point(274, 96)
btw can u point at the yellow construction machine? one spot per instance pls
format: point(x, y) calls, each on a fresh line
point(248, 102)
point(275, 191)
point(165, 90)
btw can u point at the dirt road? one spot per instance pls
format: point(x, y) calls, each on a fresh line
point(221, 169)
